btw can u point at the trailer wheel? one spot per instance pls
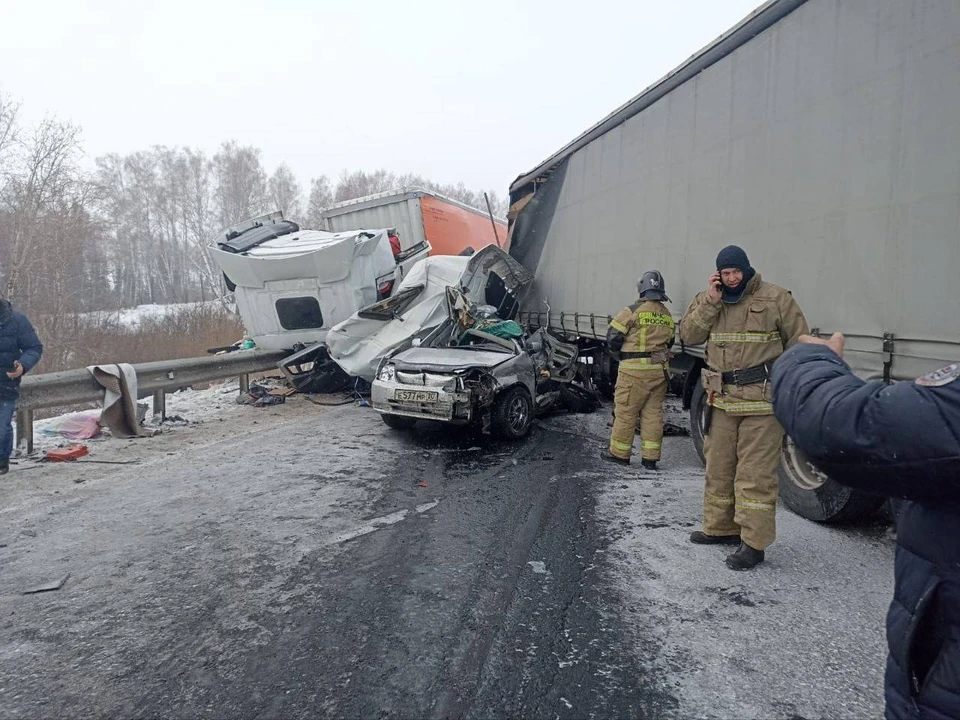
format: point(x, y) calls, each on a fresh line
point(698, 412)
point(607, 375)
point(804, 489)
point(397, 422)
point(813, 495)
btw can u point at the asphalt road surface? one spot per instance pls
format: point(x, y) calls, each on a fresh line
point(304, 562)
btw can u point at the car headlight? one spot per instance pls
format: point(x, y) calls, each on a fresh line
point(388, 373)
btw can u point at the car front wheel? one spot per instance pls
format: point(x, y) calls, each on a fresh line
point(513, 414)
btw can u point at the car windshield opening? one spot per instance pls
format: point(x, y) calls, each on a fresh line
point(392, 306)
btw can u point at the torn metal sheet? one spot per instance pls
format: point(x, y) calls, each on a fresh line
point(48, 587)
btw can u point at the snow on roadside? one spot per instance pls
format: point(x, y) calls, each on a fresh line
point(183, 407)
point(800, 636)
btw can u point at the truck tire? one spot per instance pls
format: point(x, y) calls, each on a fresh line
point(513, 414)
point(607, 375)
point(698, 407)
point(806, 491)
point(813, 495)
point(397, 422)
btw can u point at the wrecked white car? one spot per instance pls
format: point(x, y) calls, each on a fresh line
point(419, 305)
point(445, 348)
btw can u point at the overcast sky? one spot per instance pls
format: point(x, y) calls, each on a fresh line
point(478, 91)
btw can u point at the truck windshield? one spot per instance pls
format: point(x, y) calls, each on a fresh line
point(392, 306)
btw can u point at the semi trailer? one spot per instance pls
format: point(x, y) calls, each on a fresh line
point(418, 215)
point(819, 135)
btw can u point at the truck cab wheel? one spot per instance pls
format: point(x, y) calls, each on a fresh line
point(397, 422)
point(513, 414)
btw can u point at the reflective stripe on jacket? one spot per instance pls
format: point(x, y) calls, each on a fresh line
point(648, 327)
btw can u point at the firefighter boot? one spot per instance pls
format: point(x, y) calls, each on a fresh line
point(699, 537)
point(744, 558)
point(610, 457)
point(649, 464)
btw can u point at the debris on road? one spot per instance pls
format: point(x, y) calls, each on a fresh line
point(673, 430)
point(263, 395)
point(48, 587)
point(63, 454)
point(75, 426)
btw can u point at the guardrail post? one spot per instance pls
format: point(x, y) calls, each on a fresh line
point(160, 404)
point(25, 429)
point(244, 384)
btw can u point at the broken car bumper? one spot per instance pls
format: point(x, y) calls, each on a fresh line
point(421, 402)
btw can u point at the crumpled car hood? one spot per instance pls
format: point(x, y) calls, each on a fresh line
point(429, 359)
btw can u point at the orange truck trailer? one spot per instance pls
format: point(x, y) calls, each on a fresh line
point(419, 215)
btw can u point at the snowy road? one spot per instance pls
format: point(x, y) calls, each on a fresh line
point(298, 567)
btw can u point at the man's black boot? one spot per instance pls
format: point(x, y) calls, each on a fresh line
point(4, 467)
point(699, 537)
point(610, 457)
point(649, 464)
point(744, 558)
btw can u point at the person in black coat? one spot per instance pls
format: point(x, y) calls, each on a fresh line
point(902, 441)
point(20, 350)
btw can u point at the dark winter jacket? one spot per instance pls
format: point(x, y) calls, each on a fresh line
point(901, 440)
point(18, 341)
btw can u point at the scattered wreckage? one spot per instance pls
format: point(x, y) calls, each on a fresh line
point(445, 347)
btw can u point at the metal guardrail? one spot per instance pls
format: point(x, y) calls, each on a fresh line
point(73, 387)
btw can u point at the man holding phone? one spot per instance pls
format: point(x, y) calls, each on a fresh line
point(20, 350)
point(746, 324)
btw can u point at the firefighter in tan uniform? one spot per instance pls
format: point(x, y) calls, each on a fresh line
point(747, 324)
point(642, 334)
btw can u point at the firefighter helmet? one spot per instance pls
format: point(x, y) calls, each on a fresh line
point(651, 286)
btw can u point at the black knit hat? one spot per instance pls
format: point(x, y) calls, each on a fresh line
point(733, 257)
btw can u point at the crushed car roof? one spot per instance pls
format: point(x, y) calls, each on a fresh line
point(360, 342)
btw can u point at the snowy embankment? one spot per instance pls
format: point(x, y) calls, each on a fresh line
point(133, 318)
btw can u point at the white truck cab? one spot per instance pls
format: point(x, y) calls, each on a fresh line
point(291, 285)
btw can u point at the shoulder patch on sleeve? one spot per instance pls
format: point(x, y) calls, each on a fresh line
point(941, 377)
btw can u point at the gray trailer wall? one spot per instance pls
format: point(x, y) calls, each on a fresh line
point(827, 146)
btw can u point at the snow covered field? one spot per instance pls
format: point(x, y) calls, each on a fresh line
point(132, 318)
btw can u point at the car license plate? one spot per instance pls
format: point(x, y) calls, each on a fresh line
point(417, 396)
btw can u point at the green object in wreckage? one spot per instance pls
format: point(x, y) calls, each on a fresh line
point(507, 329)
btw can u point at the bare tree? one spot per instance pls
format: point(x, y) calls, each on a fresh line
point(321, 197)
point(360, 183)
point(9, 111)
point(42, 183)
point(285, 193)
point(241, 183)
